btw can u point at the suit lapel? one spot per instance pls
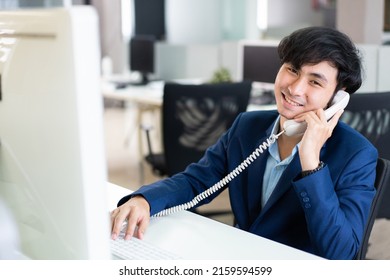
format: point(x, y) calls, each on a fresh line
point(284, 183)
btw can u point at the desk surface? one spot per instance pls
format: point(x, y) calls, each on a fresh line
point(152, 95)
point(195, 237)
point(147, 94)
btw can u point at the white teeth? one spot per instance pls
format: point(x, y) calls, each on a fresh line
point(289, 101)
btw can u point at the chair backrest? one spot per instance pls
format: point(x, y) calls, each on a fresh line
point(369, 113)
point(195, 116)
point(382, 181)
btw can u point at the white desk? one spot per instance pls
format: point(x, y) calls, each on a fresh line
point(143, 95)
point(195, 237)
point(151, 96)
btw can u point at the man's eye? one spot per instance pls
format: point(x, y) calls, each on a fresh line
point(292, 70)
point(316, 83)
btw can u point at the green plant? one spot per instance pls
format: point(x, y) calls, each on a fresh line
point(221, 75)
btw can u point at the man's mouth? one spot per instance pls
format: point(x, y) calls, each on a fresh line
point(290, 101)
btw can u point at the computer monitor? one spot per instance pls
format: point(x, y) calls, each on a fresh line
point(142, 56)
point(149, 18)
point(259, 62)
point(53, 172)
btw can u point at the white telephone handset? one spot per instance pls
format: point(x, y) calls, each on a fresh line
point(290, 127)
point(340, 101)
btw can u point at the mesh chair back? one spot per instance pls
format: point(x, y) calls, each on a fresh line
point(195, 116)
point(369, 113)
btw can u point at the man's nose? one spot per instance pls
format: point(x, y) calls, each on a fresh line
point(297, 86)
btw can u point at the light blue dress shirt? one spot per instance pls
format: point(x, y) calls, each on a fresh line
point(274, 167)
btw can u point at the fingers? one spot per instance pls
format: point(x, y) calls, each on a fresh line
point(137, 224)
point(333, 121)
point(136, 212)
point(142, 228)
point(318, 131)
point(317, 119)
point(118, 217)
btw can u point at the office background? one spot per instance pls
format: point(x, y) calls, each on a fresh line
point(203, 35)
point(215, 42)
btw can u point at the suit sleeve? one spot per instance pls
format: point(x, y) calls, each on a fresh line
point(196, 178)
point(336, 209)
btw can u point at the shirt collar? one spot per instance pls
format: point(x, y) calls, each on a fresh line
point(273, 149)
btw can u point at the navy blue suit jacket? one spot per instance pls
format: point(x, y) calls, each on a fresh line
point(323, 213)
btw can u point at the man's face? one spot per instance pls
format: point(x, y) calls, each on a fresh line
point(301, 90)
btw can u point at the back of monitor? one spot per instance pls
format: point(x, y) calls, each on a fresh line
point(52, 162)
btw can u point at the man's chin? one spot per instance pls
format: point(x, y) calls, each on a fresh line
point(287, 116)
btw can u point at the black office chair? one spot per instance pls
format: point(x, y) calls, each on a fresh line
point(382, 182)
point(193, 118)
point(369, 113)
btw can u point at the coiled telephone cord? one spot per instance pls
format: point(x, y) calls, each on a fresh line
point(234, 173)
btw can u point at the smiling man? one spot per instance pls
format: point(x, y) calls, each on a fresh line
point(311, 191)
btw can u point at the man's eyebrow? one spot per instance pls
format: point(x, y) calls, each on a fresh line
point(319, 76)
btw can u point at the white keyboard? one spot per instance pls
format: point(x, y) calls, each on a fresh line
point(136, 249)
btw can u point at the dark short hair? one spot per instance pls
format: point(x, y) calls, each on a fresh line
point(312, 45)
